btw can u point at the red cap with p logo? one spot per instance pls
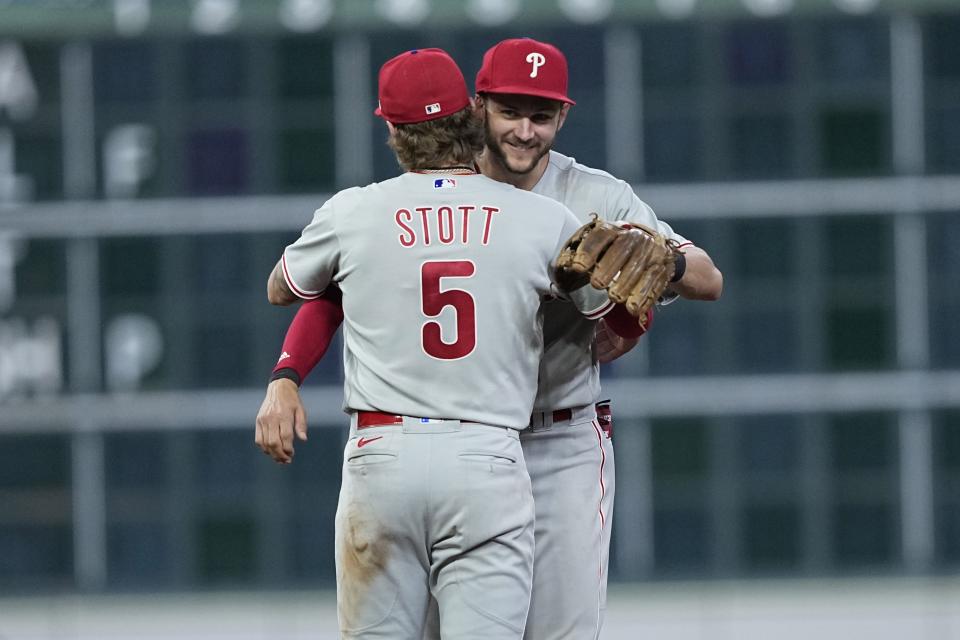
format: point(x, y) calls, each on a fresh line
point(524, 66)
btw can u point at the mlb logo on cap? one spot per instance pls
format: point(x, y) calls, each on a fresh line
point(432, 108)
point(444, 183)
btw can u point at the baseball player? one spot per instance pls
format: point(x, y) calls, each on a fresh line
point(442, 271)
point(522, 97)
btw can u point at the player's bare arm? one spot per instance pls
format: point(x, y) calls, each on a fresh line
point(701, 280)
point(278, 292)
point(280, 418)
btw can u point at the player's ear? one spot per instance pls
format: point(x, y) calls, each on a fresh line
point(391, 128)
point(563, 115)
point(479, 108)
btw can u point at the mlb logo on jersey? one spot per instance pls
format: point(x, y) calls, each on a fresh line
point(432, 108)
point(444, 183)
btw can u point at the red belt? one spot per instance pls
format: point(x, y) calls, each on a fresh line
point(376, 419)
point(604, 417)
point(560, 415)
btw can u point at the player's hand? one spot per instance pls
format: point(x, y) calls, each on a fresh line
point(609, 345)
point(280, 417)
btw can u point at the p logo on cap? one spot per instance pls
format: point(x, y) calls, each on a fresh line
point(524, 66)
point(420, 85)
point(537, 60)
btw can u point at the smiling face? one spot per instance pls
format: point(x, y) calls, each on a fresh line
point(519, 132)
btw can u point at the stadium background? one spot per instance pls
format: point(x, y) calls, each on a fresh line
point(796, 441)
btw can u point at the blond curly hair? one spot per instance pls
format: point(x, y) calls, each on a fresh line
point(452, 140)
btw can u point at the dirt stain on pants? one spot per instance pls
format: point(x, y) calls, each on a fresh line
point(362, 552)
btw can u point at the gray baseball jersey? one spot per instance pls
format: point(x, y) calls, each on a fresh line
point(442, 280)
point(571, 462)
point(569, 374)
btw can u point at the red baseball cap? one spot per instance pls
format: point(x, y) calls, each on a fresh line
point(524, 66)
point(420, 85)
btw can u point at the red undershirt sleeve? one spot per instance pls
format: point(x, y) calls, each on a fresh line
point(625, 325)
point(310, 334)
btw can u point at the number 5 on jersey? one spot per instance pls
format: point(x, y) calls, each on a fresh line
point(433, 299)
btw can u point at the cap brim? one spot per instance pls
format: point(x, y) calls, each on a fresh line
point(528, 91)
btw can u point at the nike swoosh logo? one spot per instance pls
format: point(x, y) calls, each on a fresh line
point(362, 442)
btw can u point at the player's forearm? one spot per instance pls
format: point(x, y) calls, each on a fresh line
point(277, 290)
point(701, 280)
point(309, 336)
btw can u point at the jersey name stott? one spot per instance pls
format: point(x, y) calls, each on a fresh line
point(443, 225)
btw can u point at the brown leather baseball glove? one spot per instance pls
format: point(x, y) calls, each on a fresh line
point(632, 262)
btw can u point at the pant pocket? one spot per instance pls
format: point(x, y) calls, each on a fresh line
point(492, 457)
